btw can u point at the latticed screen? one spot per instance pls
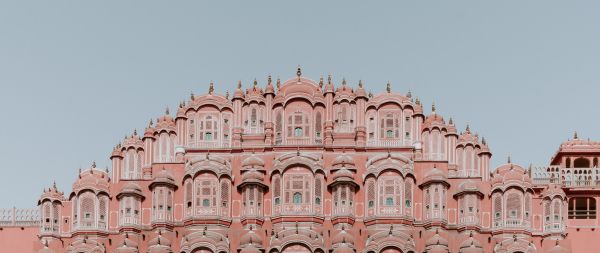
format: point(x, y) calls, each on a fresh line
point(513, 205)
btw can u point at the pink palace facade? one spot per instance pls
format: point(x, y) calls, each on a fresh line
point(308, 166)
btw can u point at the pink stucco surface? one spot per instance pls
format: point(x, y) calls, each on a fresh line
point(313, 166)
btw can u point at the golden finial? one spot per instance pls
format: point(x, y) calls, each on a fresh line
point(360, 84)
point(321, 82)
point(255, 82)
point(389, 87)
point(93, 164)
point(575, 135)
point(239, 84)
point(167, 111)
point(211, 88)
point(192, 95)
point(329, 79)
point(433, 107)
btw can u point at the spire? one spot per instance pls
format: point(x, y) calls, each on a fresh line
point(468, 129)
point(135, 131)
point(433, 108)
point(370, 94)
point(94, 164)
point(329, 79)
point(508, 160)
point(360, 84)
point(389, 87)
point(278, 84)
point(255, 83)
point(226, 94)
point(54, 185)
point(418, 101)
point(344, 81)
point(409, 94)
point(575, 135)
point(483, 141)
point(211, 88)
point(192, 95)
point(299, 72)
point(321, 82)
point(450, 121)
point(150, 123)
point(167, 111)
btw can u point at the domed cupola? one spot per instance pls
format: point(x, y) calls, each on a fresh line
point(434, 121)
point(92, 179)
point(252, 185)
point(50, 205)
point(436, 244)
point(134, 141)
point(255, 92)
point(51, 194)
point(163, 177)
point(130, 189)
point(344, 92)
point(471, 245)
point(435, 175)
point(165, 123)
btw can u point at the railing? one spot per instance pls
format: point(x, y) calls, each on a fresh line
point(298, 141)
point(344, 129)
point(130, 220)
point(19, 217)
point(581, 183)
point(390, 211)
point(295, 209)
point(213, 144)
point(161, 216)
point(511, 223)
point(553, 228)
point(342, 210)
point(389, 143)
point(469, 220)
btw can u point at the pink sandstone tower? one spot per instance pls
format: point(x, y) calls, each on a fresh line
point(312, 167)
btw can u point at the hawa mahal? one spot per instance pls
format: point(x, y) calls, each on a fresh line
point(307, 166)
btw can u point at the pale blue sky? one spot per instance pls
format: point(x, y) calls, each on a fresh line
point(76, 76)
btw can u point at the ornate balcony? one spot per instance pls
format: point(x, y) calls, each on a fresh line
point(388, 142)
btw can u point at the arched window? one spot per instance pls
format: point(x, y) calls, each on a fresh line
point(581, 163)
point(298, 125)
point(297, 198)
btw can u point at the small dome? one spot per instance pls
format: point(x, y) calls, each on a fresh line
point(163, 176)
point(130, 189)
point(343, 174)
point(253, 161)
point(470, 242)
point(252, 175)
point(159, 240)
point(434, 174)
point(558, 249)
point(342, 237)
point(436, 239)
point(343, 159)
point(250, 238)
